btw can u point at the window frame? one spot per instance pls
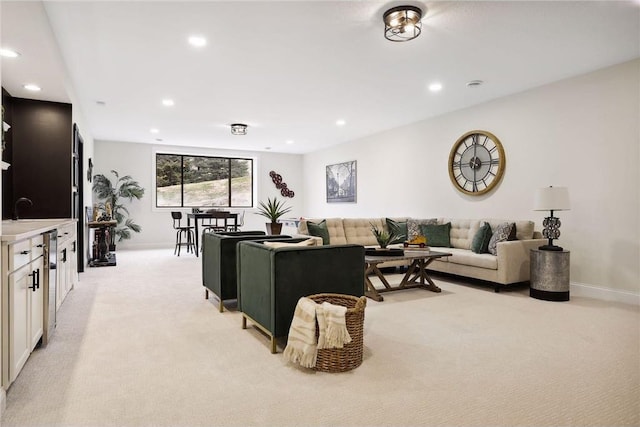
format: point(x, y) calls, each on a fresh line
point(182, 155)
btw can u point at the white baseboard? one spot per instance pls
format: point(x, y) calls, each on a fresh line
point(625, 297)
point(3, 401)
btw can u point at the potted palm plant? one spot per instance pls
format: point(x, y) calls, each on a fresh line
point(273, 210)
point(111, 194)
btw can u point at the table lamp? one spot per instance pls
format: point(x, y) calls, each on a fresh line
point(551, 199)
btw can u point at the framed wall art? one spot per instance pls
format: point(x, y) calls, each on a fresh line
point(341, 182)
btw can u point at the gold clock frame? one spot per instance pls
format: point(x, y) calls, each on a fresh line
point(501, 166)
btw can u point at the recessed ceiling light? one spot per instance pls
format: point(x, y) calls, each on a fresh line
point(474, 83)
point(435, 87)
point(340, 122)
point(154, 130)
point(290, 141)
point(101, 103)
point(32, 87)
point(267, 148)
point(159, 139)
point(8, 53)
point(168, 102)
point(197, 41)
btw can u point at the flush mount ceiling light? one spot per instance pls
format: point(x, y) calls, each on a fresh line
point(402, 23)
point(9, 53)
point(238, 129)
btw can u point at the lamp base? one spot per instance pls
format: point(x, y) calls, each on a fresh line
point(550, 248)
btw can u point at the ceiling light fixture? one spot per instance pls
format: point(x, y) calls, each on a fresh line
point(32, 87)
point(197, 41)
point(238, 129)
point(474, 83)
point(402, 23)
point(154, 130)
point(340, 122)
point(168, 102)
point(435, 87)
point(8, 53)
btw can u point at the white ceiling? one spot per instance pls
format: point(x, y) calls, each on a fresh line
point(290, 69)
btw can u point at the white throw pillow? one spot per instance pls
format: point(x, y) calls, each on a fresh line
point(308, 242)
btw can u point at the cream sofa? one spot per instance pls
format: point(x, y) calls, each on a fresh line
point(510, 265)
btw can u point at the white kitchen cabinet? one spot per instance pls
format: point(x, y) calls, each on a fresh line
point(25, 297)
point(67, 266)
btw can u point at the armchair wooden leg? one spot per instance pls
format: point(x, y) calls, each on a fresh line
point(206, 294)
point(244, 322)
point(273, 345)
point(220, 306)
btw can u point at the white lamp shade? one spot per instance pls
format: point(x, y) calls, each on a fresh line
point(552, 199)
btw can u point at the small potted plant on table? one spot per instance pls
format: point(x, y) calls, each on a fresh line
point(384, 238)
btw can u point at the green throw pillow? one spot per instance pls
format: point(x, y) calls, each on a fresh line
point(437, 235)
point(399, 228)
point(319, 230)
point(480, 242)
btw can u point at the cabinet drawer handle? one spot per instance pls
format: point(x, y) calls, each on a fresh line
point(25, 252)
point(34, 284)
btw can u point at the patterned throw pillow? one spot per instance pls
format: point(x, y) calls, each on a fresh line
point(480, 242)
point(413, 226)
point(399, 228)
point(437, 235)
point(319, 230)
point(505, 231)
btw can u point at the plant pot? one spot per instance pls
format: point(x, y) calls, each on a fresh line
point(274, 227)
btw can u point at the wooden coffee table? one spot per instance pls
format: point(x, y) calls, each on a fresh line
point(417, 270)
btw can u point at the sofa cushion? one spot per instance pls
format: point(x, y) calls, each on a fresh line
point(466, 257)
point(437, 234)
point(413, 226)
point(319, 230)
point(480, 243)
point(502, 233)
point(399, 228)
point(462, 231)
point(334, 225)
point(357, 231)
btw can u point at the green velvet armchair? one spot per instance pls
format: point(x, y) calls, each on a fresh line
point(219, 262)
point(271, 280)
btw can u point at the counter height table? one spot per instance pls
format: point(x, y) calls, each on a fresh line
point(420, 259)
point(229, 219)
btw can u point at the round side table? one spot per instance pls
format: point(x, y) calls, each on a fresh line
point(549, 275)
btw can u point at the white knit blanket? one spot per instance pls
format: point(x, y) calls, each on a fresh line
point(302, 347)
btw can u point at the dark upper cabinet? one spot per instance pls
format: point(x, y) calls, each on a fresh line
point(41, 157)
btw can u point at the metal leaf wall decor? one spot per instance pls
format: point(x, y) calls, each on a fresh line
point(282, 186)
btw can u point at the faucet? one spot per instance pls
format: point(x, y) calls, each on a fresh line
point(18, 202)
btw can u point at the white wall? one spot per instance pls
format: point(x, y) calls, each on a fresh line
point(582, 133)
point(137, 160)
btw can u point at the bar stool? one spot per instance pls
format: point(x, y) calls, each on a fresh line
point(180, 230)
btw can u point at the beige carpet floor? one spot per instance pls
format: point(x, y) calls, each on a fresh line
point(138, 345)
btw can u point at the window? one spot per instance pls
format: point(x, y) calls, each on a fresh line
point(200, 181)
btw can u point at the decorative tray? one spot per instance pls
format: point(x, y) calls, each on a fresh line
point(384, 252)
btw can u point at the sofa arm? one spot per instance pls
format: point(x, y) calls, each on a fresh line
point(514, 260)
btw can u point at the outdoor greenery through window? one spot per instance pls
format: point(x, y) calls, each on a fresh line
point(200, 181)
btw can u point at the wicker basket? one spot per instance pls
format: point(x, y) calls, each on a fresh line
point(350, 356)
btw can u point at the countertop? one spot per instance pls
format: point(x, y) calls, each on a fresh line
point(25, 228)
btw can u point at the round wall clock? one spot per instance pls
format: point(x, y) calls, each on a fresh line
point(476, 162)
